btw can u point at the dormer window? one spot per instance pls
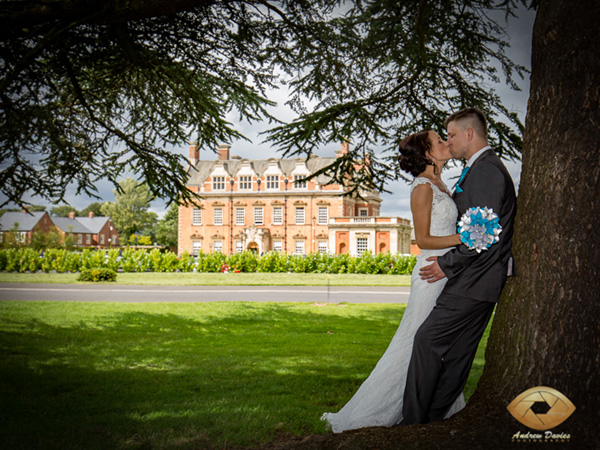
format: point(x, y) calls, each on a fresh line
point(299, 181)
point(245, 183)
point(218, 183)
point(272, 181)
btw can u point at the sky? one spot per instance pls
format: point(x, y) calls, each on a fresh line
point(395, 203)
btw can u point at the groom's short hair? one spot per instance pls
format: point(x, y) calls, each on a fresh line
point(472, 117)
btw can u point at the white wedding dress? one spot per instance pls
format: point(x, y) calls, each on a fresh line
point(378, 401)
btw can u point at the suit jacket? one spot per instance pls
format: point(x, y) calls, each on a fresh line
point(481, 276)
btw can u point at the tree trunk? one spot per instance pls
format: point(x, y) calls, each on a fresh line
point(546, 330)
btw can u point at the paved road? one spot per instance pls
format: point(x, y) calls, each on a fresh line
point(134, 294)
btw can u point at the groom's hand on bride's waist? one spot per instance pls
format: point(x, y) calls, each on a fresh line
point(432, 272)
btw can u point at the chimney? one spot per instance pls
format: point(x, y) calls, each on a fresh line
point(194, 153)
point(344, 149)
point(91, 214)
point(224, 151)
point(72, 215)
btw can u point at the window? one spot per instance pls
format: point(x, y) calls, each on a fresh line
point(114, 239)
point(218, 246)
point(362, 245)
point(258, 216)
point(300, 216)
point(322, 248)
point(80, 238)
point(102, 239)
point(245, 183)
point(299, 248)
point(277, 247)
point(218, 183)
point(272, 181)
point(240, 216)
point(196, 216)
point(196, 248)
point(218, 216)
point(299, 181)
point(277, 215)
point(323, 215)
point(239, 248)
point(363, 212)
point(88, 239)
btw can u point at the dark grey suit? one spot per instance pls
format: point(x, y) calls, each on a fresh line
point(447, 341)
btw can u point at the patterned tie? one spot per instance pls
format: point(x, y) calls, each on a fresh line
point(457, 188)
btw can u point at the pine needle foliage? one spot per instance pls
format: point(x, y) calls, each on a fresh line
point(95, 90)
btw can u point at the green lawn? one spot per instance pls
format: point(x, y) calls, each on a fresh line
point(182, 376)
point(221, 279)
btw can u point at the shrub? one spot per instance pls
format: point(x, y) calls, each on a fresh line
point(61, 260)
point(99, 274)
point(245, 261)
point(272, 262)
point(186, 262)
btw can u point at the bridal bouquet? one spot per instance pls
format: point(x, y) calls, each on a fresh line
point(479, 228)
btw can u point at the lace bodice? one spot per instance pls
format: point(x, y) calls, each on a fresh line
point(443, 210)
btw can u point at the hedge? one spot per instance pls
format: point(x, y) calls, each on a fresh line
point(129, 260)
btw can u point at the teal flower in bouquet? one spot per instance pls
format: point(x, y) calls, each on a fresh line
point(479, 228)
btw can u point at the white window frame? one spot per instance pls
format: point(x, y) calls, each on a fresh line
point(102, 239)
point(80, 238)
point(277, 215)
point(196, 216)
point(363, 212)
point(300, 182)
point(278, 246)
point(300, 218)
point(245, 183)
point(299, 247)
point(218, 216)
point(239, 247)
point(322, 247)
point(88, 239)
point(259, 215)
point(196, 248)
point(323, 215)
point(272, 182)
point(218, 246)
point(362, 245)
point(240, 216)
point(218, 183)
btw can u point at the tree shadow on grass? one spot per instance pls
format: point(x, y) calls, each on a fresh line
point(137, 379)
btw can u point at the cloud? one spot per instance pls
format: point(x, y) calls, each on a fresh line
point(396, 203)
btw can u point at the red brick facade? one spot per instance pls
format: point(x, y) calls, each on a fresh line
point(263, 205)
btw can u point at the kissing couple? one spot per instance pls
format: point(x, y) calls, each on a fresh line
point(454, 288)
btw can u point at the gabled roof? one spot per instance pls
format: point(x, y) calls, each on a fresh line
point(94, 224)
point(26, 221)
point(68, 225)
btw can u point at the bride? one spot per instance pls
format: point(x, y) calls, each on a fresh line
point(378, 401)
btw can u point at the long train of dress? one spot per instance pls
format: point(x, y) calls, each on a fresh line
point(378, 401)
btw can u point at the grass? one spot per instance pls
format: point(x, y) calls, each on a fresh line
point(221, 279)
point(182, 376)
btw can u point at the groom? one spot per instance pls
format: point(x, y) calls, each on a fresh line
point(446, 343)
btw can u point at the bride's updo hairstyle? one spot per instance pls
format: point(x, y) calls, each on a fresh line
point(413, 153)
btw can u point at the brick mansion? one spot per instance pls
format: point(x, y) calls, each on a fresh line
point(268, 205)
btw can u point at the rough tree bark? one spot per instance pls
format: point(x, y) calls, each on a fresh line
point(546, 330)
